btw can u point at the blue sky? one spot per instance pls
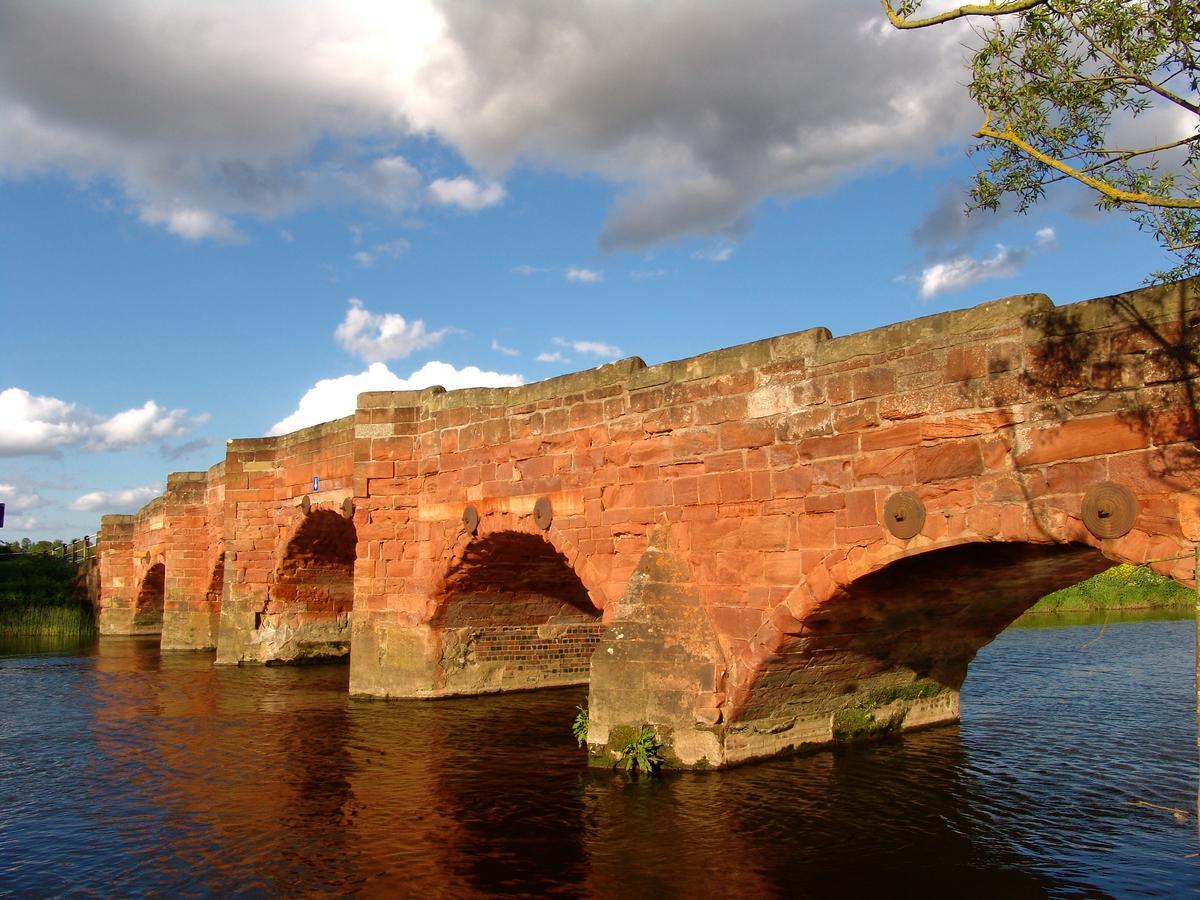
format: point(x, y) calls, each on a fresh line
point(207, 212)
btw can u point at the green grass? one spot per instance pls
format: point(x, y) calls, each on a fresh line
point(1121, 587)
point(38, 596)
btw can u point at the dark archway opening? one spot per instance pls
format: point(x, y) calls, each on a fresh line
point(513, 615)
point(307, 614)
point(216, 589)
point(148, 608)
point(892, 649)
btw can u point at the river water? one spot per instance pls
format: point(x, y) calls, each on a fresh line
point(128, 772)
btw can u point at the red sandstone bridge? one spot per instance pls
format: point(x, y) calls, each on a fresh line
point(769, 546)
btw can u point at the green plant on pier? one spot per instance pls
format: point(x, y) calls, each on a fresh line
point(579, 728)
point(643, 752)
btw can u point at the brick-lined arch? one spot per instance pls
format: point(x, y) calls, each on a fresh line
point(502, 522)
point(511, 612)
point(306, 611)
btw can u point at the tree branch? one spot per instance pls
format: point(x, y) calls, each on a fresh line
point(1145, 81)
point(1008, 136)
point(969, 9)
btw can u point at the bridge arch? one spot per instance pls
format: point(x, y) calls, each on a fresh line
point(148, 605)
point(512, 610)
point(306, 612)
point(894, 640)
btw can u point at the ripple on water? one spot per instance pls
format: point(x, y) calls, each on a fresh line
point(127, 771)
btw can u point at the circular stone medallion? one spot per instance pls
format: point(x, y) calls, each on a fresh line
point(1109, 510)
point(470, 520)
point(904, 515)
point(543, 514)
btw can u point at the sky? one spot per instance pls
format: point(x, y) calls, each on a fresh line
point(225, 220)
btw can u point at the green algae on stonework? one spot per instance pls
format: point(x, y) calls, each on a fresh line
point(858, 720)
point(38, 596)
point(1121, 587)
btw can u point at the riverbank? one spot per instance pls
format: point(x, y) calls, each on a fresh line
point(1119, 588)
point(39, 596)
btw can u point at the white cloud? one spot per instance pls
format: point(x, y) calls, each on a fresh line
point(465, 193)
point(375, 337)
point(526, 270)
point(718, 253)
point(584, 276)
point(507, 351)
point(364, 259)
point(593, 348)
point(1046, 238)
point(17, 500)
point(191, 223)
point(965, 271)
point(206, 113)
point(31, 425)
point(149, 422)
point(332, 398)
point(555, 357)
point(116, 502)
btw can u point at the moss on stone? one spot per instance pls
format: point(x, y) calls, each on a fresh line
point(917, 690)
point(855, 722)
point(858, 720)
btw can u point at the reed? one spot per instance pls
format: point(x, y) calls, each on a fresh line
point(38, 596)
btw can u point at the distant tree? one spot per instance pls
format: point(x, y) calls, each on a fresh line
point(1060, 83)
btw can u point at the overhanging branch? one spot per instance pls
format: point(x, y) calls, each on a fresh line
point(959, 12)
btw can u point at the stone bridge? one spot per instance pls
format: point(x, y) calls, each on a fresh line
point(781, 544)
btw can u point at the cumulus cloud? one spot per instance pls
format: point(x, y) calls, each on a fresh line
point(116, 502)
point(465, 193)
point(584, 276)
point(332, 398)
point(965, 271)
point(507, 351)
point(18, 500)
point(32, 425)
point(592, 348)
point(555, 357)
point(1046, 238)
point(374, 337)
point(205, 113)
point(191, 223)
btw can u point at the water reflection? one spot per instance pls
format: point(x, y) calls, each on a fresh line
point(124, 771)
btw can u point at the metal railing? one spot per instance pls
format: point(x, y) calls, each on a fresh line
point(76, 550)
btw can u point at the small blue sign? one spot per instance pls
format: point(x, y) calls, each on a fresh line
point(316, 482)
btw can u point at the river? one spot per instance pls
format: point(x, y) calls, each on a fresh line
point(124, 771)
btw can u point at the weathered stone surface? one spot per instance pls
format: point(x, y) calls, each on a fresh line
point(716, 532)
